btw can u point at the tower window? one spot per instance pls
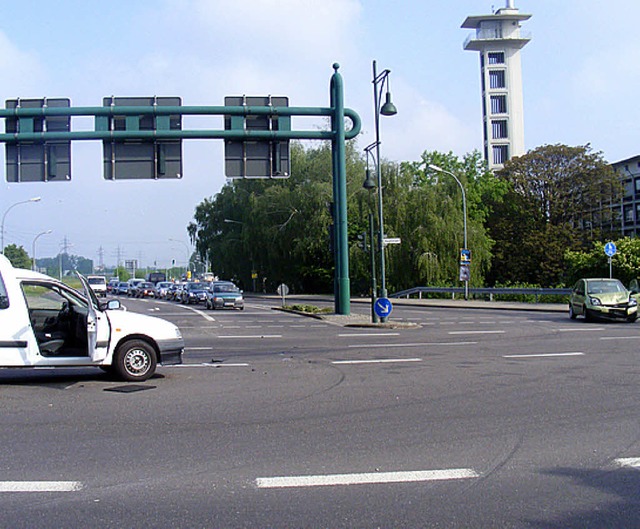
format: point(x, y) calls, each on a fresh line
point(499, 104)
point(497, 79)
point(499, 129)
point(500, 154)
point(496, 57)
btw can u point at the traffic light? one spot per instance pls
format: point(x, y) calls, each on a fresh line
point(257, 158)
point(362, 241)
point(141, 158)
point(38, 160)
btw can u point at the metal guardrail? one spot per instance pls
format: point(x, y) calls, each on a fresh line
point(483, 292)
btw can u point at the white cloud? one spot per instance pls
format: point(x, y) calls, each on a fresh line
point(22, 71)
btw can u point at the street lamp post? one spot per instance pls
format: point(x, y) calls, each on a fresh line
point(464, 215)
point(34, 199)
point(370, 184)
point(33, 247)
point(187, 253)
point(387, 109)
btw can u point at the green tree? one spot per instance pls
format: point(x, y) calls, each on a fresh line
point(18, 256)
point(558, 198)
point(424, 208)
point(594, 263)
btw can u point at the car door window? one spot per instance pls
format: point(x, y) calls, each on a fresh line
point(4, 298)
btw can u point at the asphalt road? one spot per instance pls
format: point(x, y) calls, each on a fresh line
point(471, 418)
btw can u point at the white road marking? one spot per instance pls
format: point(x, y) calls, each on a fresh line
point(206, 364)
point(477, 332)
point(579, 329)
point(618, 337)
point(365, 478)
point(252, 336)
point(541, 355)
point(349, 335)
point(40, 486)
point(386, 346)
point(380, 361)
point(633, 462)
point(197, 311)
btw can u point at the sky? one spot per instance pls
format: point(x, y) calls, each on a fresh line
point(581, 76)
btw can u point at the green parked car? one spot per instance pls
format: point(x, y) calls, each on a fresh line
point(606, 299)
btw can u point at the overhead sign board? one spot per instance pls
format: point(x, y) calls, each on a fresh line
point(257, 158)
point(141, 158)
point(37, 160)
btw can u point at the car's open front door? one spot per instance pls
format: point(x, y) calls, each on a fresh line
point(98, 329)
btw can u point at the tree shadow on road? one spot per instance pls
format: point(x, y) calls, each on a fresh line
point(620, 513)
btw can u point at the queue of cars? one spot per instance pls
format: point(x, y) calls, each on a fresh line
point(211, 294)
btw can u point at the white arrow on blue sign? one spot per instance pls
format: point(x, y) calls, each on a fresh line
point(610, 249)
point(383, 307)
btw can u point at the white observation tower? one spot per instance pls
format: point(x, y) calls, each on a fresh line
point(499, 40)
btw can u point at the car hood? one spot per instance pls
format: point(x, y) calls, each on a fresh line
point(612, 298)
point(156, 327)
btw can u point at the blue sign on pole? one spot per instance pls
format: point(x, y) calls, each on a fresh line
point(383, 307)
point(610, 249)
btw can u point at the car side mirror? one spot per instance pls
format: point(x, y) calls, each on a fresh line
point(113, 304)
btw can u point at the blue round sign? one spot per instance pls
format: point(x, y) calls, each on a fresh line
point(383, 307)
point(610, 249)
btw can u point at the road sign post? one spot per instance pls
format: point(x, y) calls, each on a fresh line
point(610, 250)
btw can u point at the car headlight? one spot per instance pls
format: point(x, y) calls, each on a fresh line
point(595, 301)
point(633, 302)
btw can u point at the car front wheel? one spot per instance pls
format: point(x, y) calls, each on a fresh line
point(572, 313)
point(135, 360)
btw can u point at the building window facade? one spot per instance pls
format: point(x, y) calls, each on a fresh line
point(499, 129)
point(497, 79)
point(499, 104)
point(496, 57)
point(500, 154)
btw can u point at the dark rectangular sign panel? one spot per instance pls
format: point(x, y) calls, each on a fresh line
point(38, 161)
point(142, 159)
point(257, 159)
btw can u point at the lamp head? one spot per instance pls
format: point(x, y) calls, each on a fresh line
point(369, 181)
point(388, 109)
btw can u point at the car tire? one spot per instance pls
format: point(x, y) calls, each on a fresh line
point(587, 315)
point(135, 361)
point(572, 313)
point(632, 319)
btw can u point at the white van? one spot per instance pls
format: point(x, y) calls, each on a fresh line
point(99, 285)
point(45, 323)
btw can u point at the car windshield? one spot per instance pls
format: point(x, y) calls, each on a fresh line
point(605, 287)
point(225, 288)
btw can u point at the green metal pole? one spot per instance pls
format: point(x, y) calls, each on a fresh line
point(342, 285)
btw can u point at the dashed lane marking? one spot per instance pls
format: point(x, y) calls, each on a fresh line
point(542, 355)
point(378, 361)
point(432, 344)
point(365, 478)
point(40, 486)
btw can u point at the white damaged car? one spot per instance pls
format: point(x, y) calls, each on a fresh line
point(45, 323)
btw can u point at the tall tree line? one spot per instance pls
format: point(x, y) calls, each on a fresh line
point(521, 221)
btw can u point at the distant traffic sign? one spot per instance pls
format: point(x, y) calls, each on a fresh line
point(383, 307)
point(610, 249)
